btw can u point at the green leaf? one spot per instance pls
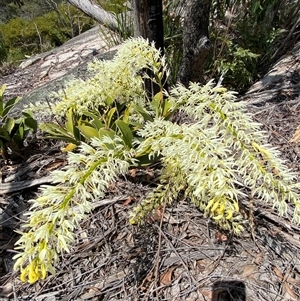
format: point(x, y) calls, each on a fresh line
point(88, 131)
point(140, 110)
point(144, 160)
point(95, 119)
point(106, 132)
point(31, 123)
point(109, 100)
point(2, 90)
point(157, 103)
point(69, 124)
point(57, 132)
point(63, 138)
point(110, 115)
point(9, 124)
point(4, 134)
point(126, 132)
point(21, 132)
point(70, 147)
point(54, 129)
point(127, 114)
point(2, 144)
point(28, 113)
point(166, 109)
point(135, 126)
point(9, 105)
point(17, 141)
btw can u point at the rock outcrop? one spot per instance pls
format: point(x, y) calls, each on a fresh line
point(280, 83)
point(44, 73)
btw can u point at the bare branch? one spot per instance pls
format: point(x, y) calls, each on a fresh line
point(96, 12)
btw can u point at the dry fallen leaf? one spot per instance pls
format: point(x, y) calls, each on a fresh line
point(292, 280)
point(290, 291)
point(148, 279)
point(249, 271)
point(157, 215)
point(54, 165)
point(166, 278)
point(259, 258)
point(278, 273)
point(206, 293)
point(128, 201)
point(296, 136)
point(6, 289)
point(132, 172)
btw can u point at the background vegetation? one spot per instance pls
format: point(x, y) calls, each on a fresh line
point(38, 26)
point(246, 36)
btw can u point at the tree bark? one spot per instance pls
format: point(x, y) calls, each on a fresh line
point(195, 40)
point(96, 12)
point(148, 21)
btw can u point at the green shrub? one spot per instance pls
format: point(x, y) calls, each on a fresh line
point(25, 37)
point(3, 51)
point(213, 161)
point(13, 130)
point(236, 64)
point(115, 6)
point(245, 38)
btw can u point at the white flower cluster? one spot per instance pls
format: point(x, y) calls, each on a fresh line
point(60, 208)
point(120, 79)
point(221, 152)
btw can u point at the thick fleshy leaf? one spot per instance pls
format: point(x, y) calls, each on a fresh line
point(54, 129)
point(166, 109)
point(69, 123)
point(9, 105)
point(106, 132)
point(157, 102)
point(126, 132)
point(140, 110)
point(95, 120)
point(88, 131)
point(28, 113)
point(63, 138)
point(69, 147)
point(21, 131)
point(110, 115)
point(2, 89)
point(9, 124)
point(57, 132)
point(4, 134)
point(31, 123)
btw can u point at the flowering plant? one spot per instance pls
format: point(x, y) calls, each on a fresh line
point(212, 160)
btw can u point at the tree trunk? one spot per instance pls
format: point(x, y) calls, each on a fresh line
point(195, 40)
point(148, 21)
point(96, 12)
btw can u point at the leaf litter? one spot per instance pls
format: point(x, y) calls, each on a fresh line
point(177, 254)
